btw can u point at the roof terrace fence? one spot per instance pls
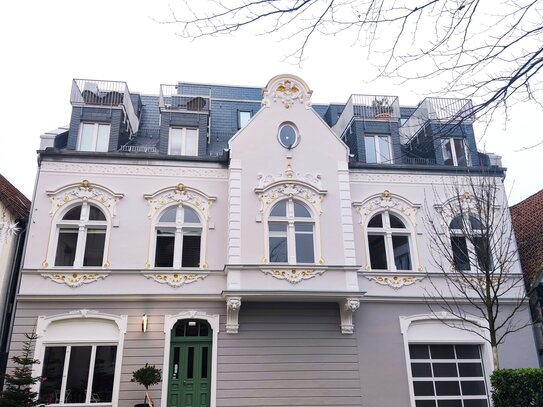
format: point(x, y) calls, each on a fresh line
point(171, 98)
point(368, 107)
point(440, 110)
point(90, 92)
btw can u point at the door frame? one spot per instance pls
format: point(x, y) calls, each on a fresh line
point(169, 322)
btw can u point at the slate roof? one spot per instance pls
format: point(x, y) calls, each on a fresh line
point(13, 199)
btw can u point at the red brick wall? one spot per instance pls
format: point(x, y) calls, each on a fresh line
point(528, 224)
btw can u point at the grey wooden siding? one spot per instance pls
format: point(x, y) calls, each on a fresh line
point(284, 355)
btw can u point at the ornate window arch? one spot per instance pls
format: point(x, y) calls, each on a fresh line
point(290, 187)
point(180, 221)
point(81, 221)
point(82, 343)
point(389, 223)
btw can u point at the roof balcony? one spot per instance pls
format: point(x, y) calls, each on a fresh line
point(111, 94)
point(437, 110)
point(173, 100)
point(368, 107)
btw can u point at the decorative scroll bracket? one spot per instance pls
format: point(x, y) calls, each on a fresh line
point(347, 308)
point(74, 280)
point(395, 281)
point(233, 304)
point(293, 276)
point(176, 280)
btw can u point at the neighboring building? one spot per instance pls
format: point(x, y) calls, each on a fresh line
point(14, 210)
point(528, 224)
point(261, 249)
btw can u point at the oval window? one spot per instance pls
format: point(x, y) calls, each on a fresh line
point(288, 136)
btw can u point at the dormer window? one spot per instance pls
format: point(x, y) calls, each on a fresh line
point(243, 118)
point(93, 137)
point(378, 149)
point(183, 141)
point(455, 152)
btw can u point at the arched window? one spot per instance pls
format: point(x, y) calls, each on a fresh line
point(388, 243)
point(81, 237)
point(291, 233)
point(178, 238)
point(468, 243)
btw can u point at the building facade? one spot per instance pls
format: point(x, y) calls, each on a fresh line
point(14, 209)
point(259, 248)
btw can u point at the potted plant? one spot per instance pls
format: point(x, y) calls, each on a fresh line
point(147, 376)
point(382, 108)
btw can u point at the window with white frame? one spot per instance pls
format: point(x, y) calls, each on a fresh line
point(78, 374)
point(447, 375)
point(470, 247)
point(183, 141)
point(81, 237)
point(378, 149)
point(243, 118)
point(389, 243)
point(291, 233)
point(178, 238)
point(93, 137)
point(455, 152)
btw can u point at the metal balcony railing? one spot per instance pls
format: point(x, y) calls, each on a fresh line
point(440, 110)
point(368, 107)
point(420, 161)
point(138, 149)
point(90, 92)
point(171, 99)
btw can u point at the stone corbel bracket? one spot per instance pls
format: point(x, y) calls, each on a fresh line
point(233, 304)
point(347, 308)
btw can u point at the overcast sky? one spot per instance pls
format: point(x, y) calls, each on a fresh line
point(45, 44)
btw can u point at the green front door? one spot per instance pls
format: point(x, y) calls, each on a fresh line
point(190, 364)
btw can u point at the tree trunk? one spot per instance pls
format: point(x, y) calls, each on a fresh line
point(495, 358)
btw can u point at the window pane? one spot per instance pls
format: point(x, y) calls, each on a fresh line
point(104, 372)
point(371, 156)
point(442, 351)
point(457, 223)
point(73, 214)
point(449, 403)
point(300, 211)
point(53, 366)
point(421, 369)
point(190, 215)
point(190, 362)
point(423, 388)
point(447, 152)
point(191, 142)
point(278, 228)
point(278, 250)
point(460, 253)
point(482, 249)
point(102, 139)
point(402, 258)
point(376, 221)
point(460, 152)
point(176, 141)
point(169, 215)
point(425, 403)
point(445, 370)
point(304, 245)
point(473, 388)
point(279, 209)
point(244, 118)
point(67, 241)
point(395, 222)
point(378, 257)
point(86, 142)
point(419, 352)
point(287, 136)
point(447, 389)
point(165, 241)
point(191, 251)
point(96, 214)
point(384, 150)
point(94, 247)
point(467, 352)
point(78, 374)
point(475, 403)
point(204, 328)
point(470, 369)
point(205, 350)
point(475, 223)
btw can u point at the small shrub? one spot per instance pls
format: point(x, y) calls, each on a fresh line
point(517, 388)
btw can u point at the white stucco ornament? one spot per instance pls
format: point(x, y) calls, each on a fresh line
point(287, 90)
point(289, 173)
point(179, 194)
point(176, 280)
point(386, 201)
point(293, 276)
point(394, 281)
point(8, 229)
point(346, 310)
point(233, 305)
point(84, 191)
point(74, 280)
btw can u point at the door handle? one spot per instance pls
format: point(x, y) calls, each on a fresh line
point(184, 382)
